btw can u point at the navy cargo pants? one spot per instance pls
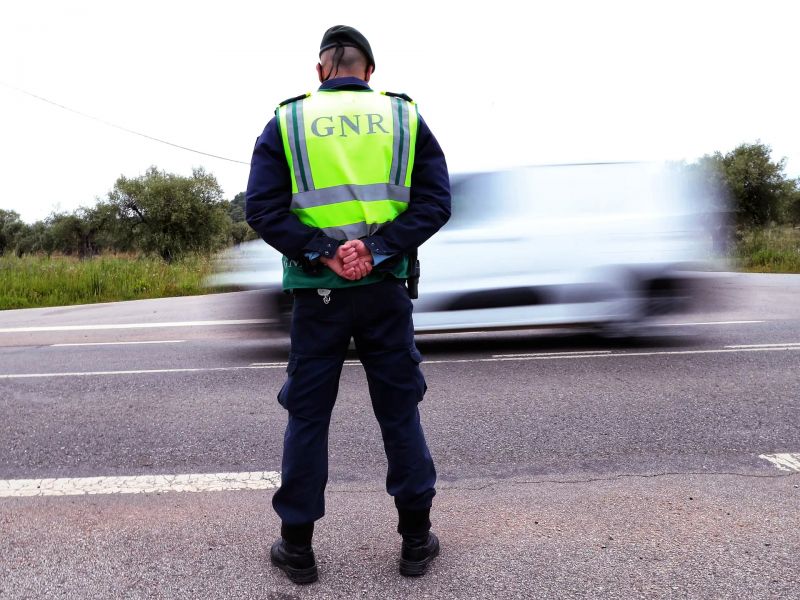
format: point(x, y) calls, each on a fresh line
point(378, 318)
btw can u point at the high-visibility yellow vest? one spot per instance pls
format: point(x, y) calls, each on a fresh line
point(350, 155)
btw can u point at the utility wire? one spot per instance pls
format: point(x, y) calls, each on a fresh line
point(120, 127)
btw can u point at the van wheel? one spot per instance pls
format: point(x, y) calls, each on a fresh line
point(629, 329)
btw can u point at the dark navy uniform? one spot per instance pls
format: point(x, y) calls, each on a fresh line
point(376, 316)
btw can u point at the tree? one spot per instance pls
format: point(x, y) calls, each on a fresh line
point(709, 178)
point(86, 231)
point(236, 208)
point(36, 238)
point(103, 230)
point(758, 189)
point(240, 230)
point(12, 228)
point(66, 232)
point(171, 215)
point(793, 207)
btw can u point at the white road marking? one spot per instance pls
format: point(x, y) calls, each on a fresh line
point(707, 323)
point(787, 344)
point(564, 355)
point(140, 371)
point(244, 322)
point(133, 325)
point(347, 363)
point(140, 484)
point(118, 343)
point(527, 354)
point(558, 356)
point(785, 461)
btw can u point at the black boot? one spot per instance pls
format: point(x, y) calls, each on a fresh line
point(420, 546)
point(296, 561)
point(417, 553)
point(293, 555)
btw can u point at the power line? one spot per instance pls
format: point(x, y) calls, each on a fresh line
point(120, 127)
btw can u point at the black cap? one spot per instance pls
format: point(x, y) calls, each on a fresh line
point(343, 35)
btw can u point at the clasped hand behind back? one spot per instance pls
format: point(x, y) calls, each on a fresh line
point(352, 261)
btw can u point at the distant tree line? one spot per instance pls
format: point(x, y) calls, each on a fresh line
point(170, 215)
point(157, 213)
point(750, 186)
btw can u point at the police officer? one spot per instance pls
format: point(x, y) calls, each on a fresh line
point(346, 183)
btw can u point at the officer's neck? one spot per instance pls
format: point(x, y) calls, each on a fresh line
point(341, 74)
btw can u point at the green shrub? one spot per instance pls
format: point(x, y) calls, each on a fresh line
point(769, 250)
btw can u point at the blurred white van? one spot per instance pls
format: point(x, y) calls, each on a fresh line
point(612, 245)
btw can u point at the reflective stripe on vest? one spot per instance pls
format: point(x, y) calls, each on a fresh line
point(350, 155)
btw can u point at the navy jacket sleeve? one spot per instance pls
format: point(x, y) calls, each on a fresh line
point(269, 196)
point(429, 205)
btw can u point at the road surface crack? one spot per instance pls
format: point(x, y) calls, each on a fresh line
point(497, 482)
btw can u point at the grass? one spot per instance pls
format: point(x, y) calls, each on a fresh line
point(37, 281)
point(769, 250)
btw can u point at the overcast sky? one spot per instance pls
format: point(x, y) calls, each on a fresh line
point(500, 83)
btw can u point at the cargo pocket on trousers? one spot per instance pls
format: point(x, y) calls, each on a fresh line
point(283, 394)
point(421, 385)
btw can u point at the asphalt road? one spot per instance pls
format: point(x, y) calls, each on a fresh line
point(569, 466)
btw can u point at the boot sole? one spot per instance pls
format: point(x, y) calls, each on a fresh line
point(410, 568)
point(299, 576)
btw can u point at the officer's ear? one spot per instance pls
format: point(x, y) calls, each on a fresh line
point(368, 73)
point(319, 72)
